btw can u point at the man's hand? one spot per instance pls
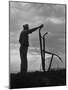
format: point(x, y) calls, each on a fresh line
point(41, 26)
point(34, 29)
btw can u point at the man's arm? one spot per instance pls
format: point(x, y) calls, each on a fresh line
point(34, 29)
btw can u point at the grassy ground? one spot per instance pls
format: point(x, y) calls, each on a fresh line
point(38, 79)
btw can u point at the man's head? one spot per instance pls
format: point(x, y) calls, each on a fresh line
point(26, 26)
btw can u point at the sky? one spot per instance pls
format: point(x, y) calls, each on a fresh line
point(35, 14)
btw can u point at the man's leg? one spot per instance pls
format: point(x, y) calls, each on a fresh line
point(23, 55)
point(25, 59)
point(22, 59)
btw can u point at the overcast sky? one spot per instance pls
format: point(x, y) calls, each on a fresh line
point(53, 18)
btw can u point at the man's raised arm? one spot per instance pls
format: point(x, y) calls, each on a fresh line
point(34, 29)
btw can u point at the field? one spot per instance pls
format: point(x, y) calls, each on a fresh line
point(38, 79)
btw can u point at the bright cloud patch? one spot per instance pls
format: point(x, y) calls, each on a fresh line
point(55, 20)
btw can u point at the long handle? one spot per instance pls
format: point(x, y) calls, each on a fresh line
point(41, 49)
point(44, 53)
point(40, 42)
point(43, 38)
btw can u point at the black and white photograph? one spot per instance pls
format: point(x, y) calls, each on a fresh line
point(37, 44)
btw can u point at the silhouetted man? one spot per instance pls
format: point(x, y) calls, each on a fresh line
point(24, 43)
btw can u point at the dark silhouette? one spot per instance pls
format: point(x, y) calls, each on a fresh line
point(43, 51)
point(38, 79)
point(24, 44)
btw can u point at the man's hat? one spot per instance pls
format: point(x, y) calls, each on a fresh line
point(25, 25)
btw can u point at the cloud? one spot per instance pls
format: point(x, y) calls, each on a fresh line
point(35, 13)
point(62, 40)
point(25, 4)
point(55, 20)
point(35, 61)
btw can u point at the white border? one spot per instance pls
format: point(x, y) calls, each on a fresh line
point(4, 43)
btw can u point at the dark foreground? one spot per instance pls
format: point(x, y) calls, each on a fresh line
point(38, 79)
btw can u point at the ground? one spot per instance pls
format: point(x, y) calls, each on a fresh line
point(38, 79)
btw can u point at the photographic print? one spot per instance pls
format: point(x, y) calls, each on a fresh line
point(37, 44)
